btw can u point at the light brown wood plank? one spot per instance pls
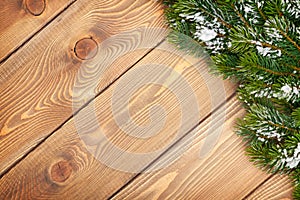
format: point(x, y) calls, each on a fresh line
point(224, 173)
point(277, 187)
point(21, 19)
point(62, 168)
point(37, 81)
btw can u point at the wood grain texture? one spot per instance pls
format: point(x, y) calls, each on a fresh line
point(277, 187)
point(21, 19)
point(37, 90)
point(38, 80)
point(62, 167)
point(224, 173)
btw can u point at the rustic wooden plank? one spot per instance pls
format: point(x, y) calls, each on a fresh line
point(37, 81)
point(225, 173)
point(61, 167)
point(21, 19)
point(277, 187)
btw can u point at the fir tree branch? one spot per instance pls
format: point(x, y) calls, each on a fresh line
point(282, 126)
point(276, 72)
point(289, 39)
point(291, 66)
point(229, 26)
point(264, 44)
point(256, 43)
point(262, 136)
point(261, 13)
point(264, 69)
point(241, 17)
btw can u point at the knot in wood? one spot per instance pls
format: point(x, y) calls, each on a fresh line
point(86, 48)
point(36, 7)
point(61, 171)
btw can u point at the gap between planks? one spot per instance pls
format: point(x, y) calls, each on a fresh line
point(277, 187)
point(257, 187)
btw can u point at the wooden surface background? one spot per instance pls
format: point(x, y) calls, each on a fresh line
point(48, 46)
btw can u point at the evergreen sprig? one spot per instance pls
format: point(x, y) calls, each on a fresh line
point(256, 43)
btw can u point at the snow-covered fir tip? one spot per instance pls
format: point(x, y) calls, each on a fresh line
point(265, 92)
point(207, 31)
point(273, 33)
point(291, 161)
point(286, 89)
point(204, 34)
point(290, 93)
point(250, 14)
point(292, 7)
point(267, 51)
point(287, 92)
point(260, 3)
point(267, 132)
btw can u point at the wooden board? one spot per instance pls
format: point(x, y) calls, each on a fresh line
point(160, 117)
point(224, 173)
point(62, 168)
point(37, 81)
point(276, 187)
point(21, 19)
